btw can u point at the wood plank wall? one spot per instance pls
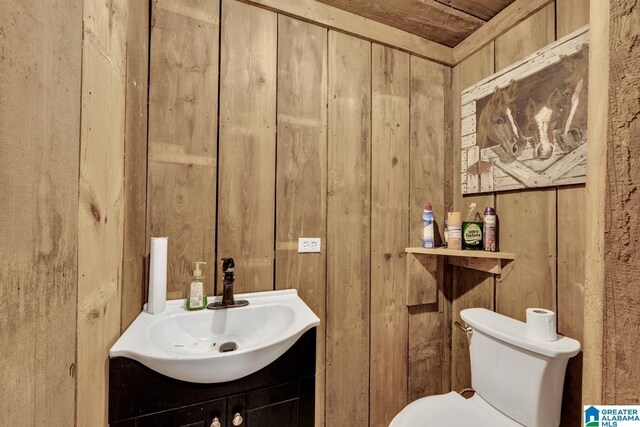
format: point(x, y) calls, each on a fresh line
point(112, 181)
point(348, 230)
point(248, 142)
point(543, 227)
point(321, 134)
point(595, 287)
point(135, 164)
point(183, 114)
point(40, 68)
point(96, 204)
point(301, 182)
point(470, 288)
point(342, 134)
point(611, 355)
point(621, 360)
point(72, 166)
point(390, 88)
point(429, 325)
point(101, 208)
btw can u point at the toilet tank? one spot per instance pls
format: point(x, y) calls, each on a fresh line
point(519, 376)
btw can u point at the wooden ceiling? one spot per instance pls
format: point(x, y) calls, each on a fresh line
point(447, 22)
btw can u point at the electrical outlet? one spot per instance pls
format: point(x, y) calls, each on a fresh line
point(309, 244)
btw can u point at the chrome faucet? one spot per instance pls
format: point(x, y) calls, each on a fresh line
point(228, 278)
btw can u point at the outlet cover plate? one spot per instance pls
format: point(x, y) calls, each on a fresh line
point(309, 244)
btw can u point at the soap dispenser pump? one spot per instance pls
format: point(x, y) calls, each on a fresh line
point(197, 300)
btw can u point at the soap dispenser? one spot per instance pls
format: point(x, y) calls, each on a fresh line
point(197, 300)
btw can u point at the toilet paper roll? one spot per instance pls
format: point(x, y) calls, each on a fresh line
point(541, 324)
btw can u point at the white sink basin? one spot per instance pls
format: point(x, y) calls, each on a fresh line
point(185, 345)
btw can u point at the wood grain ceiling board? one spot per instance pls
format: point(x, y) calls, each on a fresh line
point(483, 9)
point(426, 18)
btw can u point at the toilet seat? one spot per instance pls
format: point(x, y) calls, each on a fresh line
point(451, 410)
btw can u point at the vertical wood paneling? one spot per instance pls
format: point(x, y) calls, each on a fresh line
point(101, 209)
point(428, 113)
point(247, 176)
point(301, 188)
point(426, 174)
point(571, 266)
point(571, 15)
point(470, 288)
point(389, 223)
point(135, 163)
point(445, 293)
point(599, 130)
point(348, 231)
point(621, 362)
point(527, 218)
point(528, 222)
point(40, 63)
point(426, 348)
point(181, 196)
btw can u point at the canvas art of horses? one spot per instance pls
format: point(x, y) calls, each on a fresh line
point(546, 111)
point(526, 125)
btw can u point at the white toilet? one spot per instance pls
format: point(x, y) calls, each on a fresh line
point(517, 381)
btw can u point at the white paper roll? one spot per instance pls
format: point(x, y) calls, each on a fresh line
point(157, 275)
point(541, 324)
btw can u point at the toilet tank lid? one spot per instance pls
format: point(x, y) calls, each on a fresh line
point(514, 332)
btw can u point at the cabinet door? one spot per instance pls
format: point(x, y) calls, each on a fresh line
point(201, 415)
point(283, 414)
point(217, 409)
point(131, 422)
point(274, 406)
point(189, 416)
point(236, 410)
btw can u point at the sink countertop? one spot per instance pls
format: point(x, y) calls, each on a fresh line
point(185, 345)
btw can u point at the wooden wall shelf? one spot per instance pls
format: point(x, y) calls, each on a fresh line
point(489, 262)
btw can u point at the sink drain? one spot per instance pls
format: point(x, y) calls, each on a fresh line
point(228, 346)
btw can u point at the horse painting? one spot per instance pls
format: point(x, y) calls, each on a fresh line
point(529, 121)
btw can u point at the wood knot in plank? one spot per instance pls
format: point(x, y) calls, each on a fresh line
point(95, 212)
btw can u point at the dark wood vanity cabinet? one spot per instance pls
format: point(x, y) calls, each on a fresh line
point(279, 395)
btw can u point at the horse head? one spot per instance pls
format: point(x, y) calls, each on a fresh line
point(542, 119)
point(498, 124)
point(572, 124)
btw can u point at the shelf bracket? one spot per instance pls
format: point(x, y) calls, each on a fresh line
point(488, 265)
